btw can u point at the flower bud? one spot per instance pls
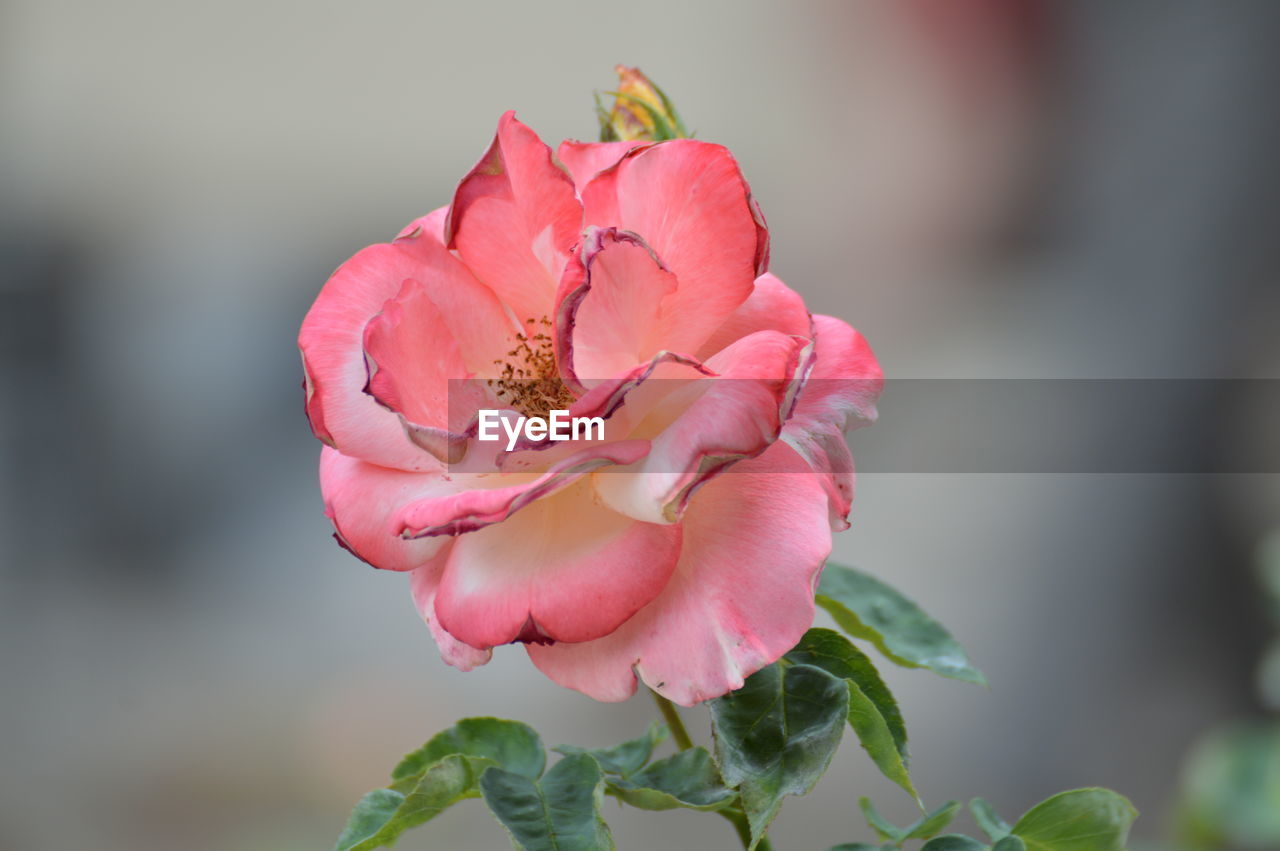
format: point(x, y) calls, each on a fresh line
point(641, 111)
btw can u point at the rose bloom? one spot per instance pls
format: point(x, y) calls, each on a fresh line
point(623, 280)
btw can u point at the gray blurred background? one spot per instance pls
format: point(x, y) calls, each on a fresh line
point(988, 189)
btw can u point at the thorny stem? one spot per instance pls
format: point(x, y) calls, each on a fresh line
point(680, 735)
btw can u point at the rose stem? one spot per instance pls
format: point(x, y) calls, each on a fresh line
point(674, 724)
point(739, 822)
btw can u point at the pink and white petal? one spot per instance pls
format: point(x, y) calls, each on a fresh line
point(632, 391)
point(609, 306)
point(475, 501)
point(514, 218)
point(412, 356)
point(563, 569)
point(331, 340)
point(772, 305)
point(846, 379)
point(704, 426)
point(476, 319)
point(432, 225)
point(741, 596)
point(689, 201)
point(417, 370)
point(423, 583)
point(828, 455)
point(840, 394)
point(587, 159)
point(359, 498)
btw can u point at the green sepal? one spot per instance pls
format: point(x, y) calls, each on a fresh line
point(670, 109)
point(607, 133)
point(662, 128)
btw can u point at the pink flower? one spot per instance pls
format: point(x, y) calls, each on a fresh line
point(628, 281)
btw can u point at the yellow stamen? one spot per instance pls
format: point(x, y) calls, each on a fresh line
point(529, 380)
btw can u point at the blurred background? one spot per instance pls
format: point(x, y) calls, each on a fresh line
point(986, 188)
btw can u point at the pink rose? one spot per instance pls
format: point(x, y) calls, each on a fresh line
point(619, 280)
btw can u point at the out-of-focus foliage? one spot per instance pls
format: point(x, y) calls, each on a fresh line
point(1269, 575)
point(1232, 789)
point(1231, 781)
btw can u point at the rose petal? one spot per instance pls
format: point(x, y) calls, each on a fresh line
point(741, 596)
point(478, 500)
point(432, 225)
point(704, 426)
point(423, 582)
point(772, 306)
point(332, 338)
point(564, 569)
point(360, 498)
point(514, 218)
point(417, 368)
point(609, 307)
point(689, 201)
point(412, 356)
point(840, 394)
point(587, 159)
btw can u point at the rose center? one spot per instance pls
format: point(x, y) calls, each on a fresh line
point(529, 380)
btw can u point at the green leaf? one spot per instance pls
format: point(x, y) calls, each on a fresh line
point(382, 815)
point(1079, 820)
point(1010, 843)
point(866, 608)
point(560, 812)
point(626, 758)
point(445, 770)
point(512, 745)
point(987, 818)
point(953, 842)
point(873, 712)
point(935, 822)
point(877, 741)
point(369, 816)
point(884, 828)
point(776, 735)
point(688, 779)
point(833, 653)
